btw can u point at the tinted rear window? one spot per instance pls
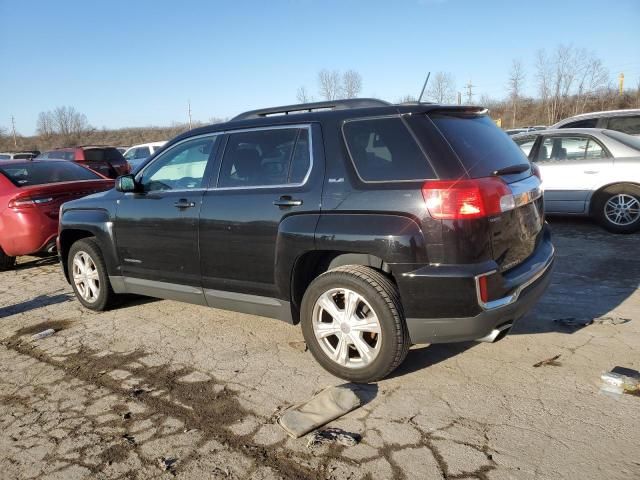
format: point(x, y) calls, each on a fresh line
point(382, 149)
point(94, 155)
point(628, 140)
point(40, 173)
point(481, 146)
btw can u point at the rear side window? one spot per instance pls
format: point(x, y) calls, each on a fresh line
point(588, 123)
point(570, 148)
point(525, 144)
point(94, 155)
point(5, 157)
point(382, 150)
point(40, 173)
point(481, 146)
point(630, 125)
point(265, 158)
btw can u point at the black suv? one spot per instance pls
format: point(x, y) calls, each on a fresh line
point(374, 226)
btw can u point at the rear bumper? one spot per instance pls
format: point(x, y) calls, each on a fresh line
point(29, 232)
point(523, 286)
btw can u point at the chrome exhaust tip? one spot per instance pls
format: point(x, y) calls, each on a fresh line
point(496, 334)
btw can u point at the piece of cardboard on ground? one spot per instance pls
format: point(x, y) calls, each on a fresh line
point(325, 406)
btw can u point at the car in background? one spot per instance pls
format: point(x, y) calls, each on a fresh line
point(107, 161)
point(590, 172)
point(31, 193)
point(625, 121)
point(26, 155)
point(515, 131)
point(139, 153)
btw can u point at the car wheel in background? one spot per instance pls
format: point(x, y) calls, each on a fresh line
point(6, 262)
point(88, 275)
point(617, 208)
point(353, 323)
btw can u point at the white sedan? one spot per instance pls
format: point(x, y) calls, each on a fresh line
point(590, 172)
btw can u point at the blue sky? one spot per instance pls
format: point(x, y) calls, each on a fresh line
point(136, 63)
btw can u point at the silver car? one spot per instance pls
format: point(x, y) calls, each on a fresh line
point(588, 171)
point(625, 121)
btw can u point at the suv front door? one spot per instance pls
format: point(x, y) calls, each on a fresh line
point(571, 166)
point(266, 176)
point(156, 230)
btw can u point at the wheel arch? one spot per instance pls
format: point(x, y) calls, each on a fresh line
point(591, 201)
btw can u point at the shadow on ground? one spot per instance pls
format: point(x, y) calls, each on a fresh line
point(37, 302)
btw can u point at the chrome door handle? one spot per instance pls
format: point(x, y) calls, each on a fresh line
point(287, 201)
point(184, 203)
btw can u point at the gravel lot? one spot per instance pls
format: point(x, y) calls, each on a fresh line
point(158, 388)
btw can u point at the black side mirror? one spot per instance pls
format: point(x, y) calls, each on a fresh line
point(126, 183)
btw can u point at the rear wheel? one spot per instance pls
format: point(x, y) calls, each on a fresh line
point(6, 262)
point(88, 274)
point(353, 323)
point(617, 208)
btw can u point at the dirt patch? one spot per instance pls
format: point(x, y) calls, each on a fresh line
point(206, 406)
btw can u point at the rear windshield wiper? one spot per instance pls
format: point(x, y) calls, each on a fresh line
point(511, 169)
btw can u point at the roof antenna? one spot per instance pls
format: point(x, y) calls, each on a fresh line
point(423, 87)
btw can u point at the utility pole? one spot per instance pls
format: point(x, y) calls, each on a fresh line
point(13, 127)
point(459, 98)
point(621, 84)
point(189, 105)
point(469, 88)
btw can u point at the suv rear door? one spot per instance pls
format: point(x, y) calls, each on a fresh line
point(266, 175)
point(156, 229)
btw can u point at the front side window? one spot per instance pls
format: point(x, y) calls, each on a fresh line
point(383, 149)
point(562, 149)
point(630, 124)
point(182, 167)
point(262, 158)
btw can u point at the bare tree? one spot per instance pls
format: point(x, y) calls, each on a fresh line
point(592, 77)
point(516, 81)
point(443, 88)
point(351, 84)
point(329, 86)
point(302, 95)
point(407, 99)
point(44, 124)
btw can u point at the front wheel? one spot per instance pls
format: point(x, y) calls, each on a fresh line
point(353, 323)
point(617, 208)
point(88, 274)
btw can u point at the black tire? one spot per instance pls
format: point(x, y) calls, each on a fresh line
point(6, 262)
point(106, 297)
point(383, 296)
point(607, 194)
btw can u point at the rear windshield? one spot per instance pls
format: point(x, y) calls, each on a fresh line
point(58, 154)
point(481, 146)
point(628, 140)
point(110, 155)
point(40, 173)
point(383, 149)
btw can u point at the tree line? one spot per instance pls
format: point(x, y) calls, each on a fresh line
point(567, 81)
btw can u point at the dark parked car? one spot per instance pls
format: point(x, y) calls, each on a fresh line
point(373, 225)
point(107, 161)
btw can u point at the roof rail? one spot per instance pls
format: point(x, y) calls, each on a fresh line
point(310, 107)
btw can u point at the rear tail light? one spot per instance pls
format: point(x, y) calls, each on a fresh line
point(483, 291)
point(467, 199)
point(28, 202)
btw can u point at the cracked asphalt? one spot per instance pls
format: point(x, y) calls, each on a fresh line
point(156, 388)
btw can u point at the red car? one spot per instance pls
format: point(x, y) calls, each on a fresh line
point(107, 161)
point(31, 193)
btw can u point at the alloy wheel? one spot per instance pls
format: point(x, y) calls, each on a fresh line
point(85, 276)
point(622, 209)
point(347, 328)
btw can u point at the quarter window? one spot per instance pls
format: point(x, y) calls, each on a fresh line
point(630, 125)
point(526, 144)
point(383, 149)
point(179, 168)
point(265, 158)
point(560, 149)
